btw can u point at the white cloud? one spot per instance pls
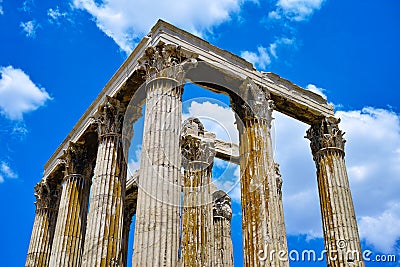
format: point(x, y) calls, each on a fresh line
point(27, 6)
point(215, 118)
point(373, 161)
point(279, 42)
point(296, 10)
point(6, 171)
point(317, 90)
point(261, 59)
point(125, 20)
point(382, 231)
point(29, 28)
point(1, 13)
point(18, 94)
point(54, 15)
point(227, 179)
point(135, 154)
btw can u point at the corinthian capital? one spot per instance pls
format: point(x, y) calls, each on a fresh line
point(77, 160)
point(196, 146)
point(166, 60)
point(47, 195)
point(110, 116)
point(325, 134)
point(253, 102)
point(222, 205)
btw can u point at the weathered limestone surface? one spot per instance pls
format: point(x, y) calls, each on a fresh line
point(277, 215)
point(157, 229)
point(222, 216)
point(197, 226)
point(71, 221)
point(47, 195)
point(261, 233)
point(103, 240)
point(130, 210)
point(342, 240)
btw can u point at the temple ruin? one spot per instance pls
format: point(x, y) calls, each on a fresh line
point(86, 199)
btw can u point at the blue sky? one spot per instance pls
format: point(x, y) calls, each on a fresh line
point(56, 56)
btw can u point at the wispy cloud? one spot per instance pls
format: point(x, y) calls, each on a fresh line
point(295, 10)
point(287, 14)
point(29, 28)
point(6, 172)
point(263, 57)
point(27, 6)
point(125, 21)
point(55, 15)
point(1, 13)
point(18, 94)
point(317, 90)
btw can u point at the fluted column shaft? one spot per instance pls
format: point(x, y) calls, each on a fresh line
point(277, 215)
point(222, 216)
point(197, 227)
point(261, 234)
point(71, 221)
point(342, 241)
point(103, 240)
point(47, 201)
point(157, 229)
point(130, 210)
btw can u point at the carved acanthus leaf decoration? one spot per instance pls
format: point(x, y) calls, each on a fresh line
point(109, 119)
point(326, 134)
point(166, 60)
point(47, 195)
point(253, 102)
point(194, 146)
point(77, 160)
point(222, 205)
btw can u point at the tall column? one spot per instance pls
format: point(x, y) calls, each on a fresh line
point(197, 228)
point(103, 240)
point(71, 221)
point(222, 216)
point(277, 215)
point(342, 241)
point(130, 210)
point(47, 196)
point(258, 180)
point(157, 229)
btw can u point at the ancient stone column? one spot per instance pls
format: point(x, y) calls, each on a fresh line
point(103, 240)
point(197, 228)
point(71, 221)
point(47, 195)
point(277, 215)
point(129, 212)
point(342, 241)
point(157, 228)
point(259, 186)
point(222, 216)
